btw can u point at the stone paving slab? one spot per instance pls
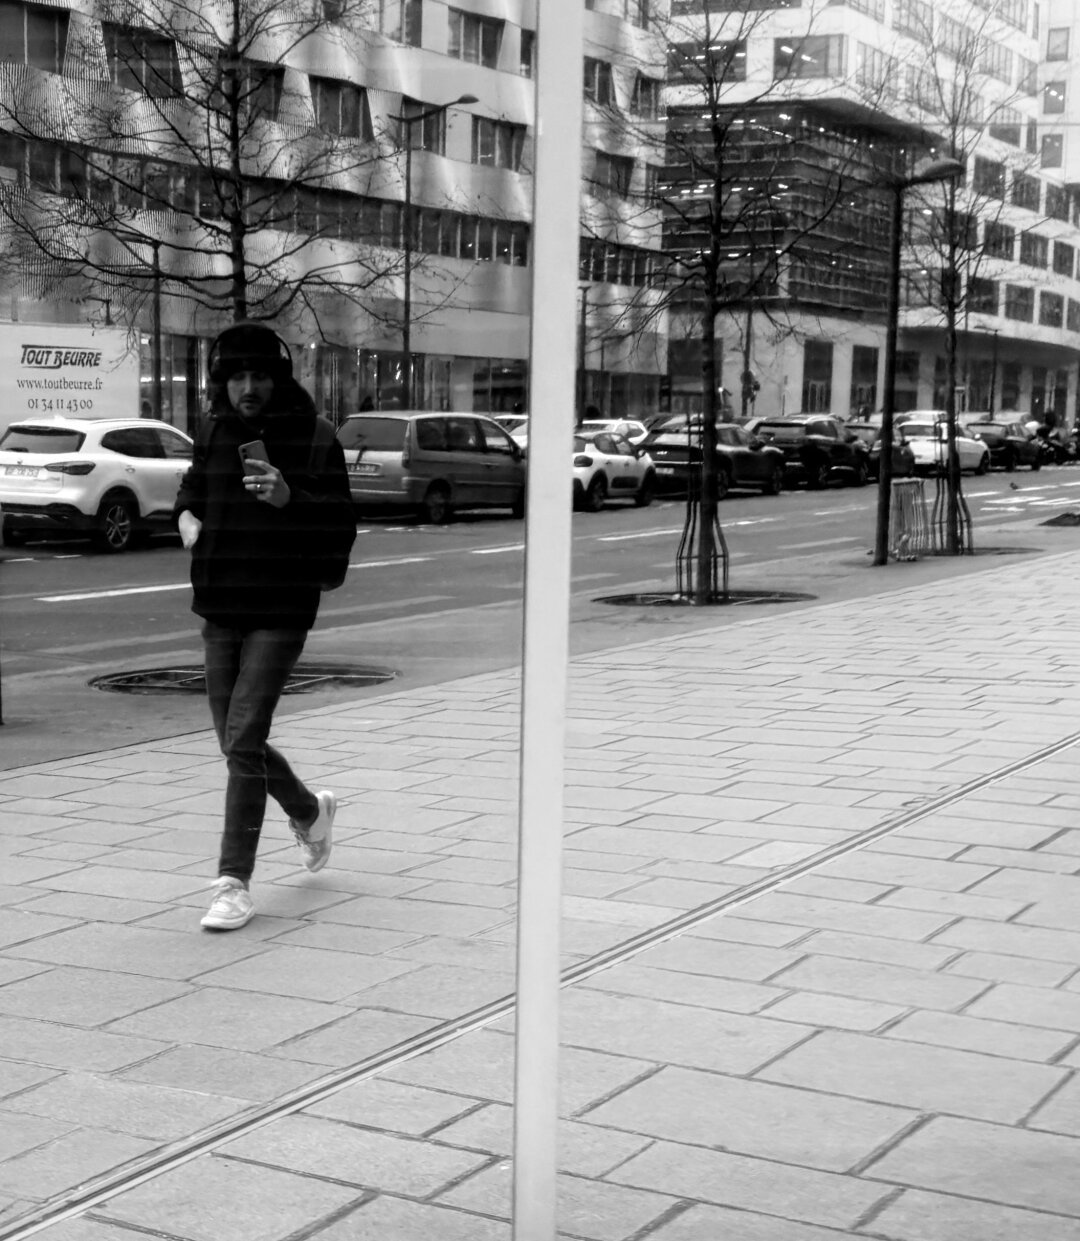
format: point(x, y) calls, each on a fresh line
point(883, 1047)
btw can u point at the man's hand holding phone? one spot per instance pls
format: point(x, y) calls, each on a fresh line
point(261, 479)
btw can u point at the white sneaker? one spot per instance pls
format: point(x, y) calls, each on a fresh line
point(316, 840)
point(231, 907)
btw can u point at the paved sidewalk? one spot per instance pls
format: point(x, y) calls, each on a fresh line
point(883, 1047)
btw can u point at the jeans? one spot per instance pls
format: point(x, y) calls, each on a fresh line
point(245, 674)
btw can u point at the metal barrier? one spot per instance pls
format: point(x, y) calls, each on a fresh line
point(909, 523)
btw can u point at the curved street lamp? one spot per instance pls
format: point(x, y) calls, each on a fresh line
point(407, 229)
point(926, 174)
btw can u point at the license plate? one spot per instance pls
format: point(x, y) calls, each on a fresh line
point(665, 469)
point(20, 471)
point(365, 467)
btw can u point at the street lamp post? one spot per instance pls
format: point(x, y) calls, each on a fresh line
point(407, 122)
point(939, 170)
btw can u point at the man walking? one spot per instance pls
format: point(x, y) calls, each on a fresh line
point(266, 493)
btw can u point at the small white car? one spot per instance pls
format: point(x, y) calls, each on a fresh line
point(927, 440)
point(110, 478)
point(634, 431)
point(608, 466)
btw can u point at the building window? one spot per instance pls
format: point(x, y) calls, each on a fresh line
point(1051, 309)
point(996, 61)
point(1034, 250)
point(999, 240)
point(141, 61)
point(1072, 316)
point(636, 12)
point(612, 174)
point(1064, 258)
point(1019, 303)
point(646, 100)
point(1057, 203)
point(1025, 192)
point(1006, 126)
point(528, 47)
point(1057, 43)
point(1028, 81)
point(400, 20)
point(817, 377)
point(341, 108)
point(498, 144)
point(426, 135)
point(989, 178)
point(1053, 151)
point(598, 84)
point(729, 61)
point(1053, 98)
point(818, 56)
point(32, 35)
point(474, 38)
point(914, 17)
point(982, 297)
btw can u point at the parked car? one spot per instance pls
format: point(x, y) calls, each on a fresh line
point(432, 463)
point(608, 466)
point(512, 423)
point(743, 459)
point(114, 479)
point(1010, 443)
point(928, 442)
point(818, 448)
point(903, 458)
point(634, 431)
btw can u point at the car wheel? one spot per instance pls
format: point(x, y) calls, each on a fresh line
point(646, 491)
point(517, 509)
point(115, 528)
point(817, 475)
point(1008, 462)
point(984, 464)
point(1036, 463)
point(723, 484)
point(775, 482)
point(435, 506)
point(862, 474)
point(595, 494)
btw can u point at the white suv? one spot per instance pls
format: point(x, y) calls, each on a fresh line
point(111, 478)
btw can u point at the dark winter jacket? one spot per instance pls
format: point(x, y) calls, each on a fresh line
point(255, 566)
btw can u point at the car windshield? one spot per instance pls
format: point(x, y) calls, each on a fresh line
point(920, 431)
point(373, 434)
point(779, 425)
point(41, 439)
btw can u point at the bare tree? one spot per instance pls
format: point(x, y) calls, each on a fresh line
point(182, 149)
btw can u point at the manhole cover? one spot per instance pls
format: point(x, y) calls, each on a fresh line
point(188, 679)
point(733, 598)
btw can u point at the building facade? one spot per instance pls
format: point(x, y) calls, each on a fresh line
point(375, 154)
point(825, 109)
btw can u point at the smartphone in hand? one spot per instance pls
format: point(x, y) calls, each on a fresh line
point(253, 451)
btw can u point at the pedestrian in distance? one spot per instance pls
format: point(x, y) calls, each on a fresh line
point(266, 513)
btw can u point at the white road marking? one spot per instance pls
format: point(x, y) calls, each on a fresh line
point(644, 534)
point(382, 564)
point(495, 551)
point(110, 594)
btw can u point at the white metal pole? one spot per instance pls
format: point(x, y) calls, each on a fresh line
point(556, 191)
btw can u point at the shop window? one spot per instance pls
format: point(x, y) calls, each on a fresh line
point(817, 376)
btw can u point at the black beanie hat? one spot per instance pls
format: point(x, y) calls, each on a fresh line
point(249, 347)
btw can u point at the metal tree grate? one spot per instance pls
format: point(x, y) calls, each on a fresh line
point(190, 679)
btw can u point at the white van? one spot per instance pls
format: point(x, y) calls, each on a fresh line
point(432, 463)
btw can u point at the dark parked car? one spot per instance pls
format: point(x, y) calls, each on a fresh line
point(818, 448)
point(743, 459)
point(1010, 443)
point(903, 459)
